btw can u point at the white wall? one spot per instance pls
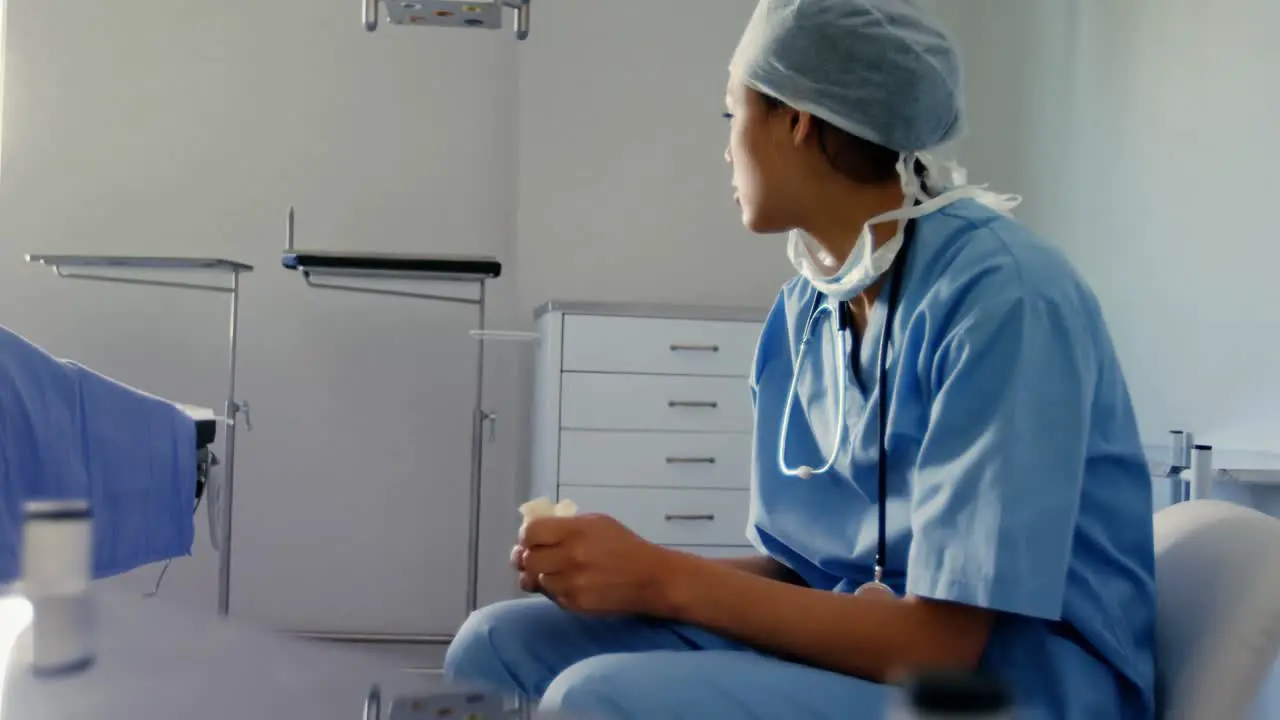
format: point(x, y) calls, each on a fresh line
point(142, 127)
point(190, 128)
point(3, 16)
point(624, 191)
point(1144, 136)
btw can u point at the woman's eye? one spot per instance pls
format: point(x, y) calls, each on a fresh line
point(728, 116)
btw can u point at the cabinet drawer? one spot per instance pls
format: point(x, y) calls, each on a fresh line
point(655, 459)
point(718, 551)
point(670, 517)
point(654, 345)
point(593, 401)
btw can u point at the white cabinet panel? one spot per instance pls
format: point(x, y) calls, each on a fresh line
point(654, 402)
point(655, 459)
point(718, 551)
point(644, 413)
point(670, 517)
point(659, 345)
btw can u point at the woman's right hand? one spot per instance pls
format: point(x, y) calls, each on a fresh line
point(528, 583)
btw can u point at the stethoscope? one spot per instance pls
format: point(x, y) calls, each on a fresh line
point(842, 318)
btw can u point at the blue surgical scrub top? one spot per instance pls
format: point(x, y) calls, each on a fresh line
point(1016, 478)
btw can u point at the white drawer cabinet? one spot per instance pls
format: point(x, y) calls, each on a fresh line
point(671, 516)
point(601, 458)
point(658, 346)
point(644, 413)
point(595, 401)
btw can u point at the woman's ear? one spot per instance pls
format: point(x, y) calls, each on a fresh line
point(801, 126)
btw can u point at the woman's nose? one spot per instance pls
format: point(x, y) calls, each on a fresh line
point(728, 156)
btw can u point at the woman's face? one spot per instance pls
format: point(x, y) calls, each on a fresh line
point(765, 154)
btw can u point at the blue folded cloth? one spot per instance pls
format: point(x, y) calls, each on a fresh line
point(68, 432)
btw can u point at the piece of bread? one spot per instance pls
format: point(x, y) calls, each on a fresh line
point(543, 507)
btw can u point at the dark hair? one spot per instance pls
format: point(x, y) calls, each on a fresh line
point(862, 161)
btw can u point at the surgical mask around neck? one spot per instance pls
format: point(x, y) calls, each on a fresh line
point(866, 263)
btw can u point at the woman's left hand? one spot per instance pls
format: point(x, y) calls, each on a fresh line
point(594, 564)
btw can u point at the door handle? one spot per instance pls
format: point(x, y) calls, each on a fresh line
point(704, 517)
point(710, 404)
point(695, 348)
point(691, 461)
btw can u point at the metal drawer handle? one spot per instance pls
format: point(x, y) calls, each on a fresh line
point(707, 517)
point(691, 461)
point(695, 348)
point(712, 404)
point(373, 704)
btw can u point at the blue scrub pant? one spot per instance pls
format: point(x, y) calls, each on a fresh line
point(619, 668)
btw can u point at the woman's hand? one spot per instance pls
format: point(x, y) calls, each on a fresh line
point(593, 564)
point(528, 583)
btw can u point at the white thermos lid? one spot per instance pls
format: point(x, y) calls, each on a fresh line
point(57, 565)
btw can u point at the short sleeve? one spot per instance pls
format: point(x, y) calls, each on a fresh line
point(772, 332)
point(996, 489)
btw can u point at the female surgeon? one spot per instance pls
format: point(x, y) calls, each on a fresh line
point(947, 470)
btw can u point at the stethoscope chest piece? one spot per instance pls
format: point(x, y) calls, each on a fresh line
point(875, 589)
